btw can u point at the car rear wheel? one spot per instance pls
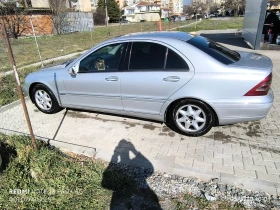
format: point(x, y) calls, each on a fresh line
point(45, 100)
point(191, 117)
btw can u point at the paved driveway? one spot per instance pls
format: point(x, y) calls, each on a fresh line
point(246, 155)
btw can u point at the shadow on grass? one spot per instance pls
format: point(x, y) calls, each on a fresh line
point(6, 153)
point(128, 183)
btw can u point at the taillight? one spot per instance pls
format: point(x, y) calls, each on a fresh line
point(262, 88)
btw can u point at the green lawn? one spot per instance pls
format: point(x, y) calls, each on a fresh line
point(216, 24)
point(25, 50)
point(50, 179)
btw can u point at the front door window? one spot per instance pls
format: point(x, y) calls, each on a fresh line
point(104, 59)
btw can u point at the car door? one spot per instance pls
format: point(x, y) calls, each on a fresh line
point(154, 72)
point(97, 83)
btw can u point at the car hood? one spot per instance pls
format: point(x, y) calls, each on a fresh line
point(56, 66)
point(253, 60)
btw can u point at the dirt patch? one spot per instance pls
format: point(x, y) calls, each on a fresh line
point(254, 129)
point(171, 134)
point(150, 127)
point(220, 136)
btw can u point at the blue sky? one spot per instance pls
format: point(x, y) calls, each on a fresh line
point(186, 2)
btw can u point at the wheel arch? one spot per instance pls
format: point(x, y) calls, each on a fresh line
point(39, 83)
point(169, 107)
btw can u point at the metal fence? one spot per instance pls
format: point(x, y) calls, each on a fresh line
point(77, 21)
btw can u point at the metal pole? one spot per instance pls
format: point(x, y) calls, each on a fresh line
point(30, 18)
point(195, 20)
point(25, 4)
point(168, 21)
point(12, 60)
point(106, 13)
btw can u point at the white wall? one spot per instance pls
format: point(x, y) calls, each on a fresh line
point(253, 22)
point(40, 3)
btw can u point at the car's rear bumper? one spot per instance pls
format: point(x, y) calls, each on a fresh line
point(245, 109)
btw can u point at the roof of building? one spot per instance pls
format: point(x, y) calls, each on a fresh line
point(143, 3)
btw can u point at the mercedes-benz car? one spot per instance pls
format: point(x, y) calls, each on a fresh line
point(189, 82)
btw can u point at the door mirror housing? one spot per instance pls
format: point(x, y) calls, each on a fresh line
point(74, 70)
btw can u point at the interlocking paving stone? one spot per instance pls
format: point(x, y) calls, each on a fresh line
point(222, 168)
point(244, 173)
point(268, 177)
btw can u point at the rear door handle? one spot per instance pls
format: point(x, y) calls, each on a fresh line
point(171, 79)
point(112, 79)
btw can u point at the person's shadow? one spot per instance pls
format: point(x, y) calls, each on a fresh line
point(128, 183)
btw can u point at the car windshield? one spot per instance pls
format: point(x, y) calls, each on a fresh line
point(215, 50)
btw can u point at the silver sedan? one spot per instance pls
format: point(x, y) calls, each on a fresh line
point(190, 83)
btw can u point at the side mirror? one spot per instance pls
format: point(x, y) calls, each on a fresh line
point(74, 70)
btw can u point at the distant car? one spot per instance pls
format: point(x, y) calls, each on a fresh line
point(183, 18)
point(124, 21)
point(198, 16)
point(190, 83)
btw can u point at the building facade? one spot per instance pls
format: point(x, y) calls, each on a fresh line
point(143, 11)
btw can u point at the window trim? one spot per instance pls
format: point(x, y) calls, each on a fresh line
point(178, 70)
point(105, 45)
point(145, 70)
point(126, 68)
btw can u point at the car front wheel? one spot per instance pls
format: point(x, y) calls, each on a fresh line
point(191, 117)
point(45, 100)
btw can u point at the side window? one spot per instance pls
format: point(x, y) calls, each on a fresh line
point(175, 61)
point(147, 55)
point(104, 59)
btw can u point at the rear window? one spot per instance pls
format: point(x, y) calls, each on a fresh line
point(215, 50)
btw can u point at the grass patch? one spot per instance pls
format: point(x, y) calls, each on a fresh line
point(25, 50)
point(216, 24)
point(48, 179)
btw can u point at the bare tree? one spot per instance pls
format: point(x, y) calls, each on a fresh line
point(187, 9)
point(235, 5)
point(198, 7)
point(15, 19)
point(213, 7)
point(58, 9)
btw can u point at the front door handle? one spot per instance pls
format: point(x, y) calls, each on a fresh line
point(171, 79)
point(112, 79)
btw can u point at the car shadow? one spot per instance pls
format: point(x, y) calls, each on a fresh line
point(115, 115)
point(126, 176)
point(228, 38)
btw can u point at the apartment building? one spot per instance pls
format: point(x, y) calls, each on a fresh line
point(143, 11)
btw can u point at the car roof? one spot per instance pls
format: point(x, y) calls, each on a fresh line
point(164, 34)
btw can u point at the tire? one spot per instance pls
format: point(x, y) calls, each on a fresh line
point(190, 117)
point(44, 99)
